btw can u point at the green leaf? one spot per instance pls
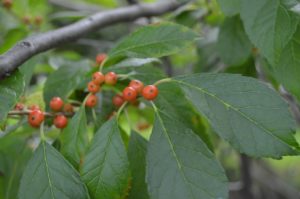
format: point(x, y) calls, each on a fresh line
point(27, 68)
point(230, 7)
point(49, 175)
point(179, 164)
point(65, 80)
point(105, 168)
point(155, 41)
point(233, 44)
point(171, 100)
point(244, 111)
point(269, 24)
point(287, 70)
point(75, 138)
point(134, 62)
point(11, 89)
point(137, 150)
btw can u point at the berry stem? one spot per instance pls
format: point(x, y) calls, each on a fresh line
point(162, 81)
point(102, 64)
point(86, 98)
point(43, 137)
point(121, 109)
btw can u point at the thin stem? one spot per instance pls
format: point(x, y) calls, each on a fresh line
point(47, 114)
point(85, 99)
point(43, 137)
point(102, 64)
point(121, 109)
point(163, 81)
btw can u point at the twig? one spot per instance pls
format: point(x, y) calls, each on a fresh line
point(47, 114)
point(31, 46)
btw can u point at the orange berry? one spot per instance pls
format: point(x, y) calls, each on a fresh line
point(35, 118)
point(137, 85)
point(118, 100)
point(150, 92)
point(93, 88)
point(98, 78)
point(38, 20)
point(60, 121)
point(129, 94)
point(100, 58)
point(91, 101)
point(111, 78)
point(19, 106)
point(68, 108)
point(34, 107)
point(7, 4)
point(56, 104)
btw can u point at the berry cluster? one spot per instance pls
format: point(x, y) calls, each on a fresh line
point(36, 116)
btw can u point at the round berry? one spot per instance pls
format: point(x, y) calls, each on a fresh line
point(129, 94)
point(118, 101)
point(100, 58)
point(91, 101)
point(137, 85)
point(19, 106)
point(111, 78)
point(60, 121)
point(93, 88)
point(150, 92)
point(26, 20)
point(7, 4)
point(34, 107)
point(98, 78)
point(38, 20)
point(35, 118)
point(68, 108)
point(56, 104)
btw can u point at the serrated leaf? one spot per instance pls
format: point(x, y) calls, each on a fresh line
point(230, 7)
point(49, 175)
point(269, 24)
point(65, 79)
point(137, 150)
point(233, 44)
point(154, 41)
point(11, 88)
point(287, 70)
point(105, 168)
point(244, 111)
point(75, 138)
point(180, 165)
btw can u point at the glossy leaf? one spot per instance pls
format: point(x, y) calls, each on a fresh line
point(106, 168)
point(49, 175)
point(137, 150)
point(11, 89)
point(233, 44)
point(269, 24)
point(155, 40)
point(75, 138)
point(179, 164)
point(244, 111)
point(287, 70)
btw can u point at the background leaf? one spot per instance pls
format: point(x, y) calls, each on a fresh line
point(105, 168)
point(49, 175)
point(155, 40)
point(180, 165)
point(74, 138)
point(230, 7)
point(244, 111)
point(11, 89)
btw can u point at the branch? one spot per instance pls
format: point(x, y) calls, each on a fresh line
point(31, 46)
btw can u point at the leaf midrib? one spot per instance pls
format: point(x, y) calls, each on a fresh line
point(47, 170)
point(233, 108)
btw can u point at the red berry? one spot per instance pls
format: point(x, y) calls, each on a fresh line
point(150, 92)
point(98, 78)
point(35, 118)
point(60, 121)
point(34, 107)
point(26, 20)
point(118, 101)
point(91, 101)
point(93, 88)
point(129, 94)
point(68, 108)
point(38, 20)
point(100, 58)
point(137, 85)
point(56, 103)
point(7, 4)
point(19, 106)
point(111, 78)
